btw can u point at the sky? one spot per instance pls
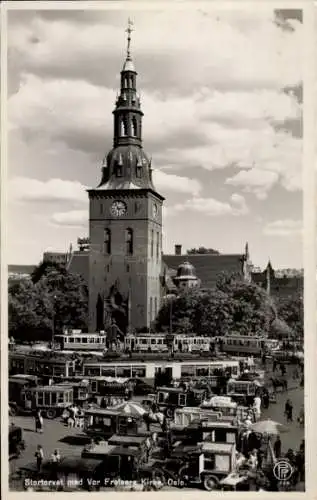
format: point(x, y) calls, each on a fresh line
point(221, 93)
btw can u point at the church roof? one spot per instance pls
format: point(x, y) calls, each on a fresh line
point(79, 264)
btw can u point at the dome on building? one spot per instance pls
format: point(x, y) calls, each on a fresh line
point(186, 271)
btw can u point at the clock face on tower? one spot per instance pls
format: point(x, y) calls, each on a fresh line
point(118, 208)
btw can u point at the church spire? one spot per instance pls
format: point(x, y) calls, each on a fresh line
point(128, 114)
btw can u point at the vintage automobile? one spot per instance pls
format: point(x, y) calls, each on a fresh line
point(51, 399)
point(16, 442)
point(243, 391)
point(208, 465)
point(226, 407)
point(120, 463)
point(137, 442)
point(171, 398)
point(205, 430)
point(71, 474)
point(17, 385)
point(102, 423)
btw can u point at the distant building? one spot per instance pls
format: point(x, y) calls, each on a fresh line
point(17, 273)
point(279, 284)
point(60, 258)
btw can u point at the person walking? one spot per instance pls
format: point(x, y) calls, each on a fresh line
point(38, 421)
point(277, 447)
point(301, 417)
point(290, 412)
point(39, 455)
point(55, 459)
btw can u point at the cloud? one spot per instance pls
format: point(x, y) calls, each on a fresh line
point(254, 180)
point(178, 131)
point(53, 191)
point(206, 108)
point(286, 227)
point(71, 219)
point(171, 182)
point(58, 46)
point(212, 207)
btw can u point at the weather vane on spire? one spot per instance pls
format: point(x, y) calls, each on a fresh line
point(129, 31)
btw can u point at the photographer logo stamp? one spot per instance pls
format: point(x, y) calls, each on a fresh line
point(283, 470)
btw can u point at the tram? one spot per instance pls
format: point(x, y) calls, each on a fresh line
point(239, 345)
point(75, 340)
point(159, 342)
point(48, 364)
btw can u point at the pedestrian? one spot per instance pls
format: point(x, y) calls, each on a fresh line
point(301, 417)
point(260, 457)
point(274, 365)
point(147, 420)
point(277, 447)
point(265, 399)
point(39, 455)
point(290, 412)
point(148, 446)
point(38, 421)
point(164, 424)
point(55, 459)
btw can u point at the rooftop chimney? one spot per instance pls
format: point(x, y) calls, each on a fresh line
point(178, 249)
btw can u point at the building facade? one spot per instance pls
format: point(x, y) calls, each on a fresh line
point(125, 223)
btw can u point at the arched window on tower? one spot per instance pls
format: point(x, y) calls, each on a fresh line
point(129, 241)
point(152, 243)
point(107, 241)
point(134, 127)
point(123, 128)
point(131, 82)
point(151, 309)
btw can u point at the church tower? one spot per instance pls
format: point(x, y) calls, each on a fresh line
point(125, 222)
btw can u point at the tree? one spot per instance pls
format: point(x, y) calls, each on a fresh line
point(28, 312)
point(233, 306)
point(291, 310)
point(43, 269)
point(202, 250)
point(56, 300)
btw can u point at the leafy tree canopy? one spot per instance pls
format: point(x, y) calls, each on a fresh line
point(291, 310)
point(202, 250)
point(55, 300)
point(233, 306)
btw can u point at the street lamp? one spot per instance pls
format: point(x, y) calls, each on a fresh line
point(53, 323)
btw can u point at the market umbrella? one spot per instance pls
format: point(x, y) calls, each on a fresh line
point(131, 408)
point(268, 426)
